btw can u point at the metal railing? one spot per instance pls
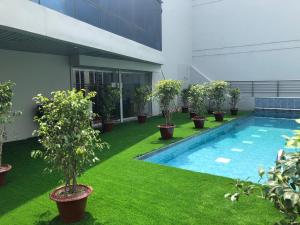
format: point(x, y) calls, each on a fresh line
point(268, 88)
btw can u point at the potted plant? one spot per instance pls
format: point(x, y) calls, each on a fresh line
point(69, 144)
point(198, 97)
point(219, 90)
point(110, 96)
point(6, 116)
point(142, 95)
point(191, 104)
point(209, 98)
point(234, 94)
point(185, 100)
point(166, 92)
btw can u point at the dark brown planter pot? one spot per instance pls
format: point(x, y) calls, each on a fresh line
point(219, 116)
point(108, 126)
point(72, 208)
point(234, 112)
point(184, 109)
point(4, 169)
point(199, 122)
point(166, 131)
point(142, 118)
point(192, 115)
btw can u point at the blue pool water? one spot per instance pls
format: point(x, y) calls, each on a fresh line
point(234, 150)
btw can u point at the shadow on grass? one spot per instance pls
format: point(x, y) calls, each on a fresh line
point(87, 220)
point(27, 180)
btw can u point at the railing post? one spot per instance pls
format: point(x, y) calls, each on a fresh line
point(252, 88)
point(277, 89)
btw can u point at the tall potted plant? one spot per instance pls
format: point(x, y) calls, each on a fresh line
point(185, 100)
point(198, 98)
point(142, 95)
point(109, 97)
point(234, 95)
point(69, 144)
point(166, 92)
point(6, 116)
point(219, 90)
point(209, 98)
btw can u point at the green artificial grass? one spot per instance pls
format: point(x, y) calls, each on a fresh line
point(127, 190)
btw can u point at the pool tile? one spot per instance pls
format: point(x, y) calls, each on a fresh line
point(237, 150)
point(248, 142)
point(223, 160)
point(255, 135)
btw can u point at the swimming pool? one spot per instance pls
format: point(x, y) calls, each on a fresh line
point(236, 149)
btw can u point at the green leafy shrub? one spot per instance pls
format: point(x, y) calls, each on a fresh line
point(6, 113)
point(142, 95)
point(219, 89)
point(234, 94)
point(66, 134)
point(197, 99)
point(185, 93)
point(109, 98)
point(209, 97)
point(166, 92)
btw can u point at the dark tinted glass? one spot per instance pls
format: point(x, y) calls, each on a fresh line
point(138, 20)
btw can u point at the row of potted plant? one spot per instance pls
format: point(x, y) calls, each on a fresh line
point(214, 94)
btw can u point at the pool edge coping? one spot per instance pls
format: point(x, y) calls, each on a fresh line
point(164, 148)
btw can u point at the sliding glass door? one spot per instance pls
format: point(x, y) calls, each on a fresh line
point(125, 81)
point(131, 81)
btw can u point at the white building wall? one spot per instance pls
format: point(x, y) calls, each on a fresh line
point(247, 39)
point(177, 39)
point(33, 74)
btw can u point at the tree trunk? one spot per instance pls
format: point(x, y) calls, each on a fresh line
point(1, 142)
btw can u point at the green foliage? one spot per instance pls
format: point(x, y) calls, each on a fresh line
point(166, 92)
point(234, 94)
point(185, 94)
point(142, 95)
point(65, 132)
point(109, 98)
point(209, 96)
point(219, 89)
point(283, 185)
point(197, 99)
point(6, 113)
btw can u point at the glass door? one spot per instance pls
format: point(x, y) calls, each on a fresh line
point(130, 81)
point(125, 81)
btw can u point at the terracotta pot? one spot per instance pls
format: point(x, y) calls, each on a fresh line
point(166, 131)
point(234, 112)
point(4, 169)
point(142, 118)
point(192, 115)
point(108, 126)
point(184, 109)
point(71, 208)
point(199, 122)
point(219, 116)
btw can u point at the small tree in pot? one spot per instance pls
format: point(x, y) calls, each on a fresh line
point(6, 116)
point(185, 99)
point(234, 94)
point(69, 144)
point(109, 97)
point(166, 92)
point(142, 95)
point(209, 103)
point(198, 98)
point(219, 90)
